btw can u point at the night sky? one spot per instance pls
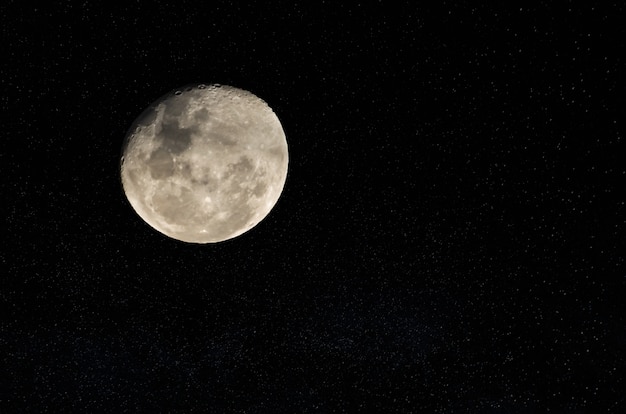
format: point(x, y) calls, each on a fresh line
point(450, 238)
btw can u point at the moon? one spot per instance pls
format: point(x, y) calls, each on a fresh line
point(204, 163)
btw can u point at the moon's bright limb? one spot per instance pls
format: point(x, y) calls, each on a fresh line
point(205, 163)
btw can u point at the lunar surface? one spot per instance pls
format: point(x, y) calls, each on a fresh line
point(204, 164)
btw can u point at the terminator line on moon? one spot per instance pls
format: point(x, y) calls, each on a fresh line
point(205, 163)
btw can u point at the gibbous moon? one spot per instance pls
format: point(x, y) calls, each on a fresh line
point(204, 164)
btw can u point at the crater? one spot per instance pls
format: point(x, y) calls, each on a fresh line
point(206, 181)
point(241, 167)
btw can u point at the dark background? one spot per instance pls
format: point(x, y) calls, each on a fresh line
point(450, 237)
